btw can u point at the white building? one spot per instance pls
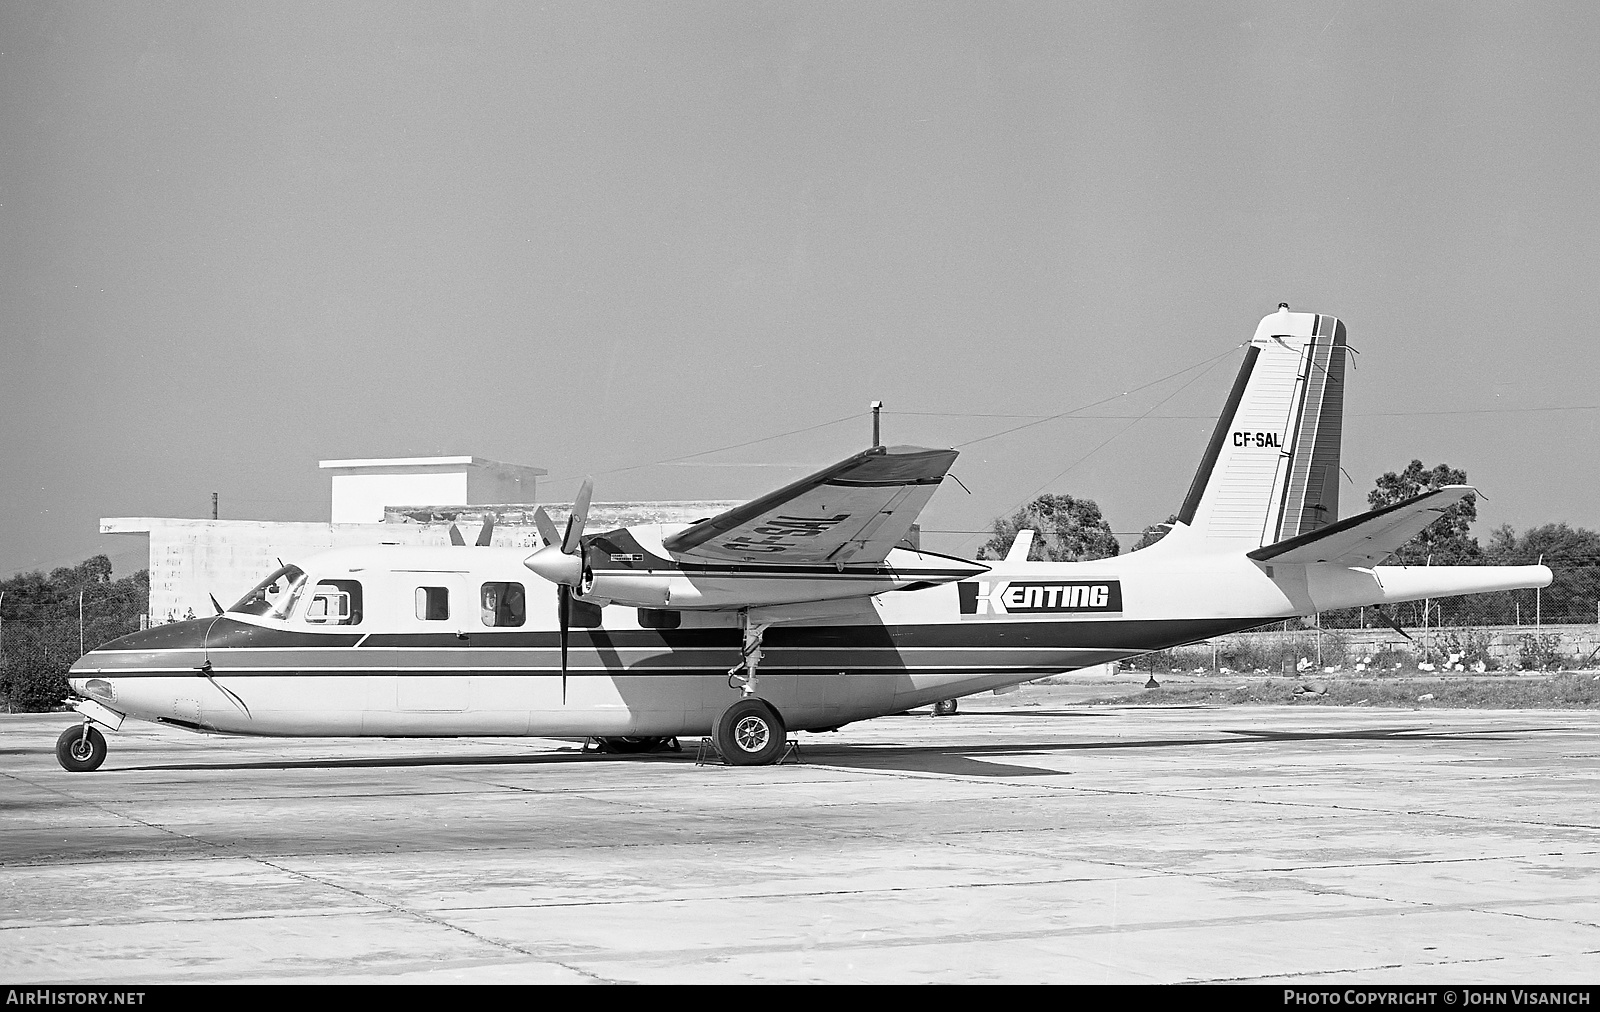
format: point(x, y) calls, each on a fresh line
point(402, 501)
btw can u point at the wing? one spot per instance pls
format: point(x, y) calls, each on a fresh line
point(854, 511)
point(1368, 538)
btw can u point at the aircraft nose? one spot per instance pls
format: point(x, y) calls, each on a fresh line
point(83, 670)
point(83, 667)
point(555, 565)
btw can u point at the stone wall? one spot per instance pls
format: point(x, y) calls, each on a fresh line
point(1503, 647)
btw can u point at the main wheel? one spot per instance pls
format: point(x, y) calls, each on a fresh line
point(944, 708)
point(632, 746)
point(750, 733)
point(81, 749)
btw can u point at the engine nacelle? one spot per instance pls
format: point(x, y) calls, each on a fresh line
point(740, 590)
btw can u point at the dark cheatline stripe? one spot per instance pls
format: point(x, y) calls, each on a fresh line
point(221, 633)
point(977, 634)
point(554, 671)
point(1202, 477)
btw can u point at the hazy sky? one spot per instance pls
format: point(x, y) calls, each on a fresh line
point(239, 238)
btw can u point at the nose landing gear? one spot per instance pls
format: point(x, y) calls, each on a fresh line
point(81, 749)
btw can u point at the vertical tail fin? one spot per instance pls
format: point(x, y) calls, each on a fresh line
point(1271, 470)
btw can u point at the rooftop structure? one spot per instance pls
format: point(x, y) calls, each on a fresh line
point(362, 488)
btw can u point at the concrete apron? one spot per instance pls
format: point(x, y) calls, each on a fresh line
point(1008, 843)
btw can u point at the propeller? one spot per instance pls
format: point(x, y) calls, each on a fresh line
point(484, 534)
point(561, 562)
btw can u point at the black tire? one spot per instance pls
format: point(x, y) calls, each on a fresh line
point(750, 733)
point(944, 708)
point(633, 746)
point(80, 749)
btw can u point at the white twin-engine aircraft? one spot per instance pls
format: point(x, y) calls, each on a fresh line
point(800, 611)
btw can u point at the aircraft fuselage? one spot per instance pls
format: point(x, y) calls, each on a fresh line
point(401, 669)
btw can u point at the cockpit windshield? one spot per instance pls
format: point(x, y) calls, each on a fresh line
point(275, 596)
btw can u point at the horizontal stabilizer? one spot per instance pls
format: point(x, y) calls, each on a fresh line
point(1368, 538)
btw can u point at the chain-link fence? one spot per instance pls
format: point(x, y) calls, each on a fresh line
point(1572, 598)
point(1310, 650)
point(36, 655)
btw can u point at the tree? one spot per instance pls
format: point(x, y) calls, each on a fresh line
point(1153, 533)
point(39, 623)
point(1070, 530)
point(1570, 552)
point(1559, 545)
point(1447, 539)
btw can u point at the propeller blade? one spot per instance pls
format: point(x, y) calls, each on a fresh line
point(571, 544)
point(487, 532)
point(455, 536)
point(547, 527)
point(564, 622)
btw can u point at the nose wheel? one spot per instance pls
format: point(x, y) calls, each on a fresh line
point(81, 749)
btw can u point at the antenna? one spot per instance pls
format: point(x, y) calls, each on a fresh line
point(876, 407)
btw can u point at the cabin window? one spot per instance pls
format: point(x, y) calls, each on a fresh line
point(585, 615)
point(659, 618)
point(504, 604)
point(335, 602)
point(433, 604)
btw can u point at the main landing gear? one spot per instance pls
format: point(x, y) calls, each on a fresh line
point(750, 732)
point(81, 749)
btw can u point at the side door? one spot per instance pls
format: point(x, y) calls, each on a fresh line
point(434, 650)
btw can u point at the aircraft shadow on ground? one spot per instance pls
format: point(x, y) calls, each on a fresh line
point(964, 760)
point(954, 759)
point(400, 762)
